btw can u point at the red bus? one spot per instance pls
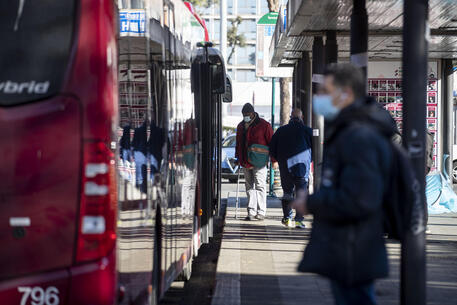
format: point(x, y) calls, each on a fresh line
point(102, 200)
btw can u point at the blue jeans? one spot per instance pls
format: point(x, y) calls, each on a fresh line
point(140, 168)
point(355, 295)
point(290, 184)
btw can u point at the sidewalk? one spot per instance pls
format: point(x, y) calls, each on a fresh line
point(258, 260)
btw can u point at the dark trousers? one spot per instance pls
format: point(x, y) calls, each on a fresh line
point(290, 185)
point(354, 295)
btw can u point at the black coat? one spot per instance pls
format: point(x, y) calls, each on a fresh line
point(288, 141)
point(124, 142)
point(347, 243)
point(139, 142)
point(156, 141)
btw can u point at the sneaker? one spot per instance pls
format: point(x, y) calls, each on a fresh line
point(289, 223)
point(260, 217)
point(284, 221)
point(249, 218)
point(300, 224)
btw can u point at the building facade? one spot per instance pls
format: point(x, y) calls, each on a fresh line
point(241, 65)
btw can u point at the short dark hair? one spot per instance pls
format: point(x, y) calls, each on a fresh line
point(247, 108)
point(347, 75)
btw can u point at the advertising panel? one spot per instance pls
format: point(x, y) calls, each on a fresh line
point(385, 85)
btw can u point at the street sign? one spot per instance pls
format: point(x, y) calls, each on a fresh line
point(132, 22)
point(265, 30)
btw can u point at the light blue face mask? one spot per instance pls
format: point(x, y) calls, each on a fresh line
point(322, 105)
point(247, 119)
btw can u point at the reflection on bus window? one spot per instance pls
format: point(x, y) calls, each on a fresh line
point(229, 142)
point(155, 145)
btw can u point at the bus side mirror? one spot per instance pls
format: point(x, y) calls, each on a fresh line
point(227, 96)
point(217, 78)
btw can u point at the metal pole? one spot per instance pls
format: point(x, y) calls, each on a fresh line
point(448, 105)
point(298, 81)
point(271, 193)
point(223, 41)
point(331, 48)
point(223, 29)
point(306, 104)
point(237, 202)
point(295, 85)
point(318, 120)
point(415, 49)
point(359, 35)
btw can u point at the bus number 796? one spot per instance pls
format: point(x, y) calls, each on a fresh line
point(39, 296)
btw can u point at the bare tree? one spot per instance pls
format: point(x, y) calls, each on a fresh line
point(203, 3)
point(284, 95)
point(273, 5)
point(233, 38)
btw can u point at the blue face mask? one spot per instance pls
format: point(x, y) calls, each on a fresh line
point(322, 105)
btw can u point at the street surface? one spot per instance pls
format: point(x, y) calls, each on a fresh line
point(257, 264)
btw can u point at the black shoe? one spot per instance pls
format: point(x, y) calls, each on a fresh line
point(249, 218)
point(260, 217)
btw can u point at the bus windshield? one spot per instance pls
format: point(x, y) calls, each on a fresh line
point(36, 40)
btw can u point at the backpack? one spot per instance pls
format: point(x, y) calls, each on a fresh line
point(403, 210)
point(402, 204)
point(402, 207)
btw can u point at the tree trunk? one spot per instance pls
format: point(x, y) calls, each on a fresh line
point(273, 5)
point(284, 96)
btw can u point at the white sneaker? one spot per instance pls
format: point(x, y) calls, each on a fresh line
point(290, 223)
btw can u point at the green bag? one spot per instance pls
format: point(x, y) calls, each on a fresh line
point(258, 155)
point(189, 156)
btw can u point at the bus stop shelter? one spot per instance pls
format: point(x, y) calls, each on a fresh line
point(406, 49)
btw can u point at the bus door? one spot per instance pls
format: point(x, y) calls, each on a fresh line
point(209, 85)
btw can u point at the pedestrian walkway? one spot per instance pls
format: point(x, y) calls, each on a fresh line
point(258, 260)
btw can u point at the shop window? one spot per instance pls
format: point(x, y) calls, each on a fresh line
point(263, 7)
point(137, 4)
point(247, 7)
point(245, 76)
point(248, 27)
point(245, 55)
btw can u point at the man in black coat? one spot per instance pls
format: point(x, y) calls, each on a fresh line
point(347, 243)
point(291, 147)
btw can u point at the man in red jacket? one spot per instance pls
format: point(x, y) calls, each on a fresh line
point(253, 136)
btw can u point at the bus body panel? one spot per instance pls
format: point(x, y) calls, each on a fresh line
point(94, 283)
point(93, 75)
point(36, 288)
point(42, 150)
point(41, 163)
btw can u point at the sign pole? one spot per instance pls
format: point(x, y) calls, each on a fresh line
point(415, 57)
point(272, 193)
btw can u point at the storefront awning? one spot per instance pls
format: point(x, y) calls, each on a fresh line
point(309, 18)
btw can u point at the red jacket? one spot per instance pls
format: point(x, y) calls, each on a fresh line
point(258, 132)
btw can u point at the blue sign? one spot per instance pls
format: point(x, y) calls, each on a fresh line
point(269, 30)
point(132, 22)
